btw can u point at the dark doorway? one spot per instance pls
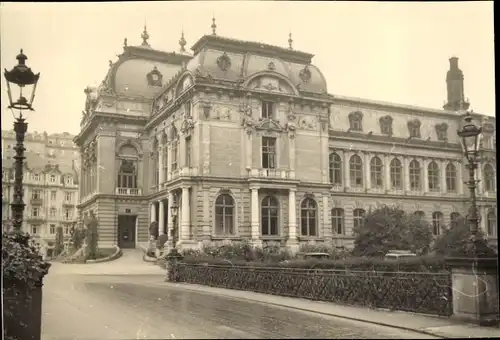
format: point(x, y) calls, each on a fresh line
point(126, 231)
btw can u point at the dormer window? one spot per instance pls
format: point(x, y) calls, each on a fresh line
point(267, 110)
point(356, 121)
point(442, 131)
point(52, 178)
point(414, 128)
point(386, 125)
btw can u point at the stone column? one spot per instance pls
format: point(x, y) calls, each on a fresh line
point(161, 178)
point(161, 218)
point(292, 216)
point(185, 217)
point(182, 153)
point(425, 166)
point(169, 162)
point(460, 178)
point(406, 174)
point(387, 172)
point(249, 147)
point(291, 151)
point(170, 224)
point(153, 212)
point(442, 173)
point(255, 221)
point(368, 177)
point(347, 179)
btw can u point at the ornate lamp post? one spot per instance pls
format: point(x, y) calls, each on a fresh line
point(471, 140)
point(174, 211)
point(22, 76)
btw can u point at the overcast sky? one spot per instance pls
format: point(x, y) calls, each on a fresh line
point(396, 52)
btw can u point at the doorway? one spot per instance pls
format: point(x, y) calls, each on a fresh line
point(126, 231)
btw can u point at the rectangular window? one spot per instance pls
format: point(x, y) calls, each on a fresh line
point(52, 229)
point(174, 155)
point(68, 197)
point(188, 152)
point(53, 195)
point(34, 229)
point(67, 214)
point(52, 178)
point(69, 180)
point(66, 230)
point(267, 110)
point(269, 152)
point(53, 212)
point(35, 212)
point(35, 194)
point(36, 177)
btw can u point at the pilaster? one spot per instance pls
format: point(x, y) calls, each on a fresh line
point(161, 218)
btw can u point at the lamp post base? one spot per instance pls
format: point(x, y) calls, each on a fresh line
point(173, 258)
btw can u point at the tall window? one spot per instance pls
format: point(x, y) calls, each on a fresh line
point(69, 180)
point(35, 212)
point(437, 222)
point(53, 212)
point(433, 176)
point(36, 177)
point(451, 177)
point(52, 178)
point(491, 223)
point(127, 176)
point(358, 218)
point(165, 162)
point(415, 175)
point(67, 214)
point(175, 148)
point(420, 214)
point(269, 153)
point(308, 220)
point(68, 196)
point(454, 216)
point(35, 194)
point(52, 229)
point(188, 152)
point(489, 178)
point(356, 171)
point(53, 195)
point(224, 215)
point(335, 163)
point(269, 216)
point(396, 174)
point(338, 221)
point(376, 172)
point(267, 109)
point(34, 229)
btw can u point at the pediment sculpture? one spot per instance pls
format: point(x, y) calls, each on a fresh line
point(187, 125)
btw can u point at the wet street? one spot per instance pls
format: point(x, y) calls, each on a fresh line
point(83, 302)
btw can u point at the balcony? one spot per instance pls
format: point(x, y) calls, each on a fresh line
point(272, 173)
point(36, 201)
point(183, 172)
point(129, 191)
point(35, 219)
point(68, 204)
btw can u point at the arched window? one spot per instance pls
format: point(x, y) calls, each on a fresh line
point(335, 168)
point(269, 216)
point(489, 178)
point(338, 221)
point(454, 216)
point(415, 175)
point(376, 172)
point(396, 174)
point(433, 176)
point(308, 217)
point(358, 218)
point(174, 138)
point(356, 171)
point(127, 175)
point(420, 214)
point(451, 177)
point(224, 215)
point(437, 222)
point(491, 223)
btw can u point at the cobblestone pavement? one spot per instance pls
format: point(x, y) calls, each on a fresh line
point(82, 306)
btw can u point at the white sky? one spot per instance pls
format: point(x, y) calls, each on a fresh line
point(391, 51)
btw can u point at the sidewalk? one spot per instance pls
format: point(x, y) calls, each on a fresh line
point(434, 326)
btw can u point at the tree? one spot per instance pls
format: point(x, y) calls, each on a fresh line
point(390, 228)
point(455, 240)
point(59, 245)
point(92, 238)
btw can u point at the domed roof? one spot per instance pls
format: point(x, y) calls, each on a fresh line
point(233, 60)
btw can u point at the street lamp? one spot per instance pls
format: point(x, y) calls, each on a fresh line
point(22, 76)
point(174, 211)
point(471, 139)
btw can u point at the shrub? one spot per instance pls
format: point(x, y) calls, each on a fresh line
point(160, 242)
point(92, 238)
point(154, 230)
point(59, 245)
point(22, 267)
point(390, 228)
point(77, 238)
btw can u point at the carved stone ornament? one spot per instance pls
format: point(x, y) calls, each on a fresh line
point(307, 123)
point(269, 125)
point(271, 66)
point(305, 74)
point(386, 125)
point(291, 128)
point(186, 126)
point(155, 77)
point(224, 62)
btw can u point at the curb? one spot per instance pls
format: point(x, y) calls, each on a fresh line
point(116, 255)
point(186, 286)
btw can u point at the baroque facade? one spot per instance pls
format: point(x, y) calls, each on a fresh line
point(50, 183)
point(247, 140)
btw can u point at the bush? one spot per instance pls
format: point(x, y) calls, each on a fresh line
point(390, 228)
point(335, 254)
point(59, 245)
point(77, 238)
point(160, 242)
point(92, 238)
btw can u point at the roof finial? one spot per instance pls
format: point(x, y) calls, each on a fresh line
point(290, 41)
point(182, 41)
point(214, 26)
point(145, 36)
point(125, 42)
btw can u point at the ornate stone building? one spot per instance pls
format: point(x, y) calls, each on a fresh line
point(247, 139)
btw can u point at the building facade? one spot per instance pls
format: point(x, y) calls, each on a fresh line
point(247, 140)
point(50, 183)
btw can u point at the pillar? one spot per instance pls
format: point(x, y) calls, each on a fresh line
point(161, 177)
point(425, 165)
point(291, 152)
point(346, 170)
point(406, 174)
point(170, 224)
point(249, 148)
point(387, 172)
point(255, 214)
point(292, 216)
point(185, 215)
point(368, 177)
point(153, 211)
point(460, 178)
point(168, 176)
point(442, 173)
point(161, 218)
